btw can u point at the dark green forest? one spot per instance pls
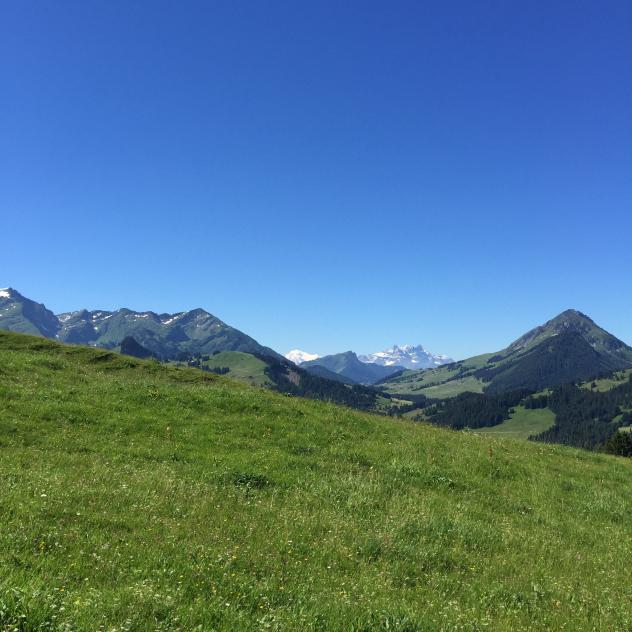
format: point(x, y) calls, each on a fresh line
point(585, 418)
point(475, 410)
point(292, 380)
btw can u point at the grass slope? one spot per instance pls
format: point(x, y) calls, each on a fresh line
point(523, 424)
point(135, 496)
point(453, 388)
point(607, 383)
point(242, 366)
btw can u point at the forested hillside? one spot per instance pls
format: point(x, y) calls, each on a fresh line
point(584, 417)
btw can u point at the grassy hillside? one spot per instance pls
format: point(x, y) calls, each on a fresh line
point(453, 388)
point(136, 496)
point(241, 366)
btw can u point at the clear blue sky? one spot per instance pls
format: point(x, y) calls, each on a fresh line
point(322, 176)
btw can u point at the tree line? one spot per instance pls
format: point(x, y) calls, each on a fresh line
point(585, 418)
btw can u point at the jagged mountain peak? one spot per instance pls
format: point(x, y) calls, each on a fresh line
point(197, 311)
point(165, 335)
point(570, 317)
point(407, 356)
point(23, 315)
point(8, 292)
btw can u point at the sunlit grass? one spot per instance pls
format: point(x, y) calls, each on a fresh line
point(605, 384)
point(522, 424)
point(139, 497)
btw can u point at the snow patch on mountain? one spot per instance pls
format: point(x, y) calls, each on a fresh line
point(172, 318)
point(297, 356)
point(408, 356)
point(5, 292)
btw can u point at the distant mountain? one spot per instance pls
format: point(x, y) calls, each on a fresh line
point(567, 381)
point(604, 343)
point(196, 337)
point(20, 314)
point(321, 371)
point(567, 348)
point(561, 359)
point(406, 356)
point(166, 336)
point(351, 367)
point(298, 357)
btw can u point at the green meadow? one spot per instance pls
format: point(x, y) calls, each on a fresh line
point(522, 424)
point(241, 366)
point(454, 388)
point(608, 383)
point(137, 496)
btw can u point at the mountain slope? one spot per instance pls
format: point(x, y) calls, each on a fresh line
point(574, 321)
point(560, 359)
point(167, 336)
point(138, 496)
point(321, 371)
point(20, 314)
point(130, 347)
point(567, 348)
point(194, 337)
point(350, 367)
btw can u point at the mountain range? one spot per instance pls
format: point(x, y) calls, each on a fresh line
point(166, 336)
point(195, 337)
point(567, 348)
point(371, 368)
point(406, 356)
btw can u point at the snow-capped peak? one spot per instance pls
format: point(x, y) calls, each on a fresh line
point(297, 356)
point(408, 356)
point(5, 292)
